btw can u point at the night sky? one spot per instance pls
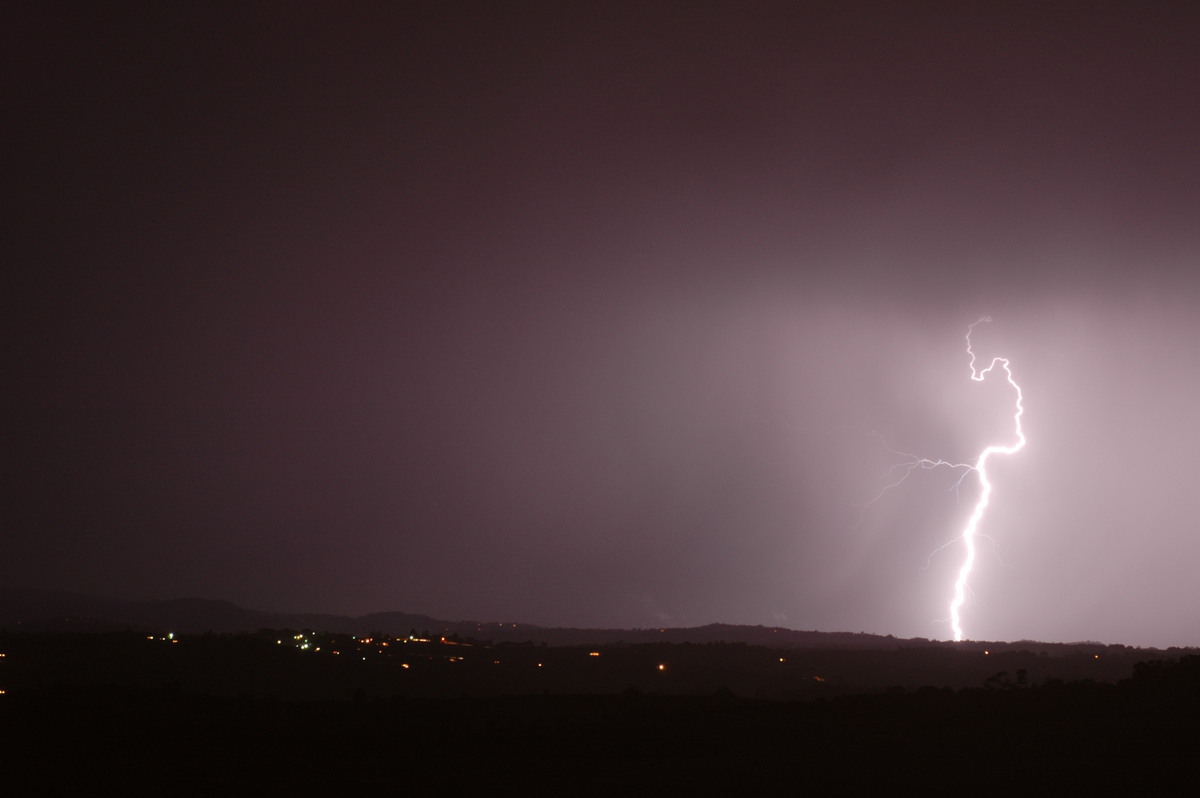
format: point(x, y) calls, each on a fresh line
point(607, 314)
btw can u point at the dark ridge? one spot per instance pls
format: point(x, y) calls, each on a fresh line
point(59, 611)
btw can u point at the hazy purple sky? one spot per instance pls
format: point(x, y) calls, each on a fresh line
point(594, 314)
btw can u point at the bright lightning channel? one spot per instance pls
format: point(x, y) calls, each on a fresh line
point(979, 467)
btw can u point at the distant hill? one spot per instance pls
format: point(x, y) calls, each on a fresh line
point(38, 610)
point(34, 610)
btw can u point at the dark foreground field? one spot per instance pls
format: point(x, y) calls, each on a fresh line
point(249, 716)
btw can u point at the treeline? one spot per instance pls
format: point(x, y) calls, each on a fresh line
point(257, 714)
point(294, 665)
point(1139, 733)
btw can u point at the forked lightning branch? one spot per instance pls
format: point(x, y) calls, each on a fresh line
point(979, 468)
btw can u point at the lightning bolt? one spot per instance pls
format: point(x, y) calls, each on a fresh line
point(980, 466)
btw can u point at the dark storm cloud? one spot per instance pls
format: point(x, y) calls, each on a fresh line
point(597, 316)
